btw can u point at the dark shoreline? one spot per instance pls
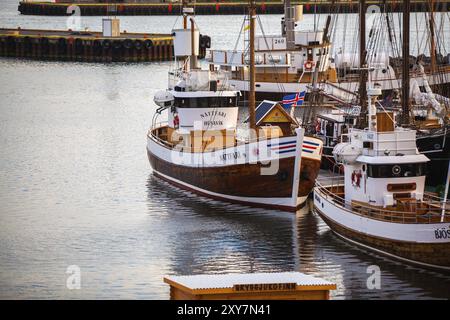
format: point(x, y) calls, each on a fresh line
point(207, 8)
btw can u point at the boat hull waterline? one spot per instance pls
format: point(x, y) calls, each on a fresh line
point(423, 244)
point(233, 175)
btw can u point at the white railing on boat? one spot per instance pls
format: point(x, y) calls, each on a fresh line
point(431, 210)
point(241, 58)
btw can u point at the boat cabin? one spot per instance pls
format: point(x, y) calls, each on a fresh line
point(382, 168)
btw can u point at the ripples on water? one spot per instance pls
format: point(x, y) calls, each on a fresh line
point(76, 189)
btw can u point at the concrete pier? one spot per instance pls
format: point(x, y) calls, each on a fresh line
point(96, 8)
point(89, 46)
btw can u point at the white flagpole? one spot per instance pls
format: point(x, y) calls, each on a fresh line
point(445, 193)
point(300, 132)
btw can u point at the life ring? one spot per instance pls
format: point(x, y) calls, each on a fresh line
point(309, 65)
point(128, 43)
point(318, 126)
point(356, 178)
point(138, 44)
point(176, 121)
point(148, 43)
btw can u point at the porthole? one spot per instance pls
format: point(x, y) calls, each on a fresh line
point(396, 170)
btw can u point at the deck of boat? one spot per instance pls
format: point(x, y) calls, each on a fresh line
point(406, 210)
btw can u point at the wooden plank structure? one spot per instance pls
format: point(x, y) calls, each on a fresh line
point(96, 8)
point(260, 286)
point(89, 46)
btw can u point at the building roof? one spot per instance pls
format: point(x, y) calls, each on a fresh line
point(264, 108)
point(220, 281)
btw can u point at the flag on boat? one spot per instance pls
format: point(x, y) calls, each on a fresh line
point(294, 100)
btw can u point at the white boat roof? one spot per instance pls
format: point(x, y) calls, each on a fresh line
point(217, 281)
point(333, 117)
point(414, 158)
point(200, 94)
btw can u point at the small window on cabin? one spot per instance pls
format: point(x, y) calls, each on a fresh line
point(202, 103)
point(396, 170)
point(212, 102)
point(193, 103)
point(368, 145)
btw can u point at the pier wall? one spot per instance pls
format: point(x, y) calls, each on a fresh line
point(205, 8)
point(66, 46)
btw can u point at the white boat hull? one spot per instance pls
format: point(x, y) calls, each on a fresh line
point(426, 244)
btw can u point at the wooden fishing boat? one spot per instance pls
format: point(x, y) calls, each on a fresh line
point(269, 164)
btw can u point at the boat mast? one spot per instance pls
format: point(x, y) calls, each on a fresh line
point(251, 96)
point(289, 25)
point(432, 37)
point(405, 64)
point(193, 59)
point(184, 5)
point(362, 63)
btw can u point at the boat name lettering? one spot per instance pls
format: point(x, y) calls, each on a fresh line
point(232, 155)
point(442, 233)
point(213, 123)
point(214, 113)
point(265, 287)
point(317, 198)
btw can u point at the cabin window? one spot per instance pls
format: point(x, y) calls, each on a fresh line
point(396, 170)
point(211, 102)
point(368, 145)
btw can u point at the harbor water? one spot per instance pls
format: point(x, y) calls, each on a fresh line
point(76, 189)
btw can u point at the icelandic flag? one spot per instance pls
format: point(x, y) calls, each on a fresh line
point(294, 100)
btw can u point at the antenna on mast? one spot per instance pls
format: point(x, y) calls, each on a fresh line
point(251, 96)
point(405, 66)
point(362, 63)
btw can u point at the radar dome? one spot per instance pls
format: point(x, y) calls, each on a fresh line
point(164, 99)
point(346, 153)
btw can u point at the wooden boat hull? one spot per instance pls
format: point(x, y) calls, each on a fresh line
point(241, 182)
point(427, 245)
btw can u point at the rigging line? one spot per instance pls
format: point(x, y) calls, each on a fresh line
point(396, 49)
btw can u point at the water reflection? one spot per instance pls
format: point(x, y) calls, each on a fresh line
point(323, 253)
point(207, 236)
